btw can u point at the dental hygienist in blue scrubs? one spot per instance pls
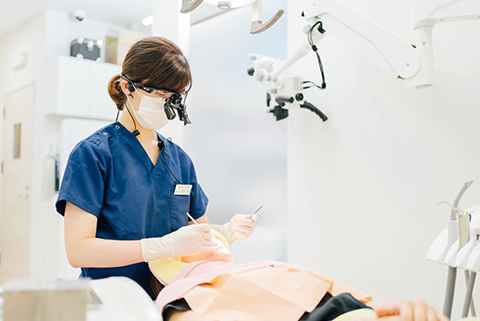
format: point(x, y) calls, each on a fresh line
point(126, 189)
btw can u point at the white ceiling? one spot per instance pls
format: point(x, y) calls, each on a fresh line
point(120, 12)
point(128, 12)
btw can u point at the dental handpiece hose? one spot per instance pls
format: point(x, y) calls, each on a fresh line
point(249, 217)
point(463, 219)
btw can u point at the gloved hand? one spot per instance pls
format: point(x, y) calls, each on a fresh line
point(186, 240)
point(242, 224)
point(405, 310)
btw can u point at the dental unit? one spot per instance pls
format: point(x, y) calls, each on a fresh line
point(458, 246)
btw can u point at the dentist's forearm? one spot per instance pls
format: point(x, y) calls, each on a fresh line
point(101, 253)
point(84, 249)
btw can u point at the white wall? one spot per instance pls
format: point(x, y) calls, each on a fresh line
point(43, 36)
point(72, 131)
point(30, 38)
point(58, 43)
point(239, 150)
point(171, 24)
point(363, 186)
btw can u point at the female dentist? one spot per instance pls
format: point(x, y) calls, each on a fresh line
point(126, 189)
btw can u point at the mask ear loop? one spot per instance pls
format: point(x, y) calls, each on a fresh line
point(135, 130)
point(118, 111)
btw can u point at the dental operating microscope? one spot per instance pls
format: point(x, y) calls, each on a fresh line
point(412, 63)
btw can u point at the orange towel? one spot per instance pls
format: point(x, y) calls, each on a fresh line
point(278, 291)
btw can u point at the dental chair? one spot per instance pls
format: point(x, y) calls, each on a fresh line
point(121, 299)
point(114, 298)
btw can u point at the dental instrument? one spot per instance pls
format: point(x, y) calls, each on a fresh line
point(249, 217)
point(255, 212)
point(465, 255)
point(463, 223)
point(440, 247)
point(228, 236)
point(472, 265)
point(463, 219)
point(191, 218)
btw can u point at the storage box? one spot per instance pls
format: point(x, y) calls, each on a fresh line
point(45, 300)
point(86, 48)
point(111, 49)
point(126, 39)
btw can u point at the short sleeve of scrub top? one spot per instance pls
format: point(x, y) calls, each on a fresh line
point(83, 181)
point(110, 176)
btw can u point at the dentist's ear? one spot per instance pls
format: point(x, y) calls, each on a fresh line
point(127, 88)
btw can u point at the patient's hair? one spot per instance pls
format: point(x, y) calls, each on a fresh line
point(155, 285)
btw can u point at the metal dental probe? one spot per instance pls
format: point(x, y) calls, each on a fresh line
point(191, 218)
point(249, 217)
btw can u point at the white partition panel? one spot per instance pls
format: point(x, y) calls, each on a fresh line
point(239, 150)
point(73, 131)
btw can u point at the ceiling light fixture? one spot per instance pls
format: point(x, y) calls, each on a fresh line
point(148, 21)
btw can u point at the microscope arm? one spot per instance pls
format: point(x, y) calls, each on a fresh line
point(382, 47)
point(394, 55)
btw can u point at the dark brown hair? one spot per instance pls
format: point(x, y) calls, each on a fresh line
point(155, 285)
point(155, 62)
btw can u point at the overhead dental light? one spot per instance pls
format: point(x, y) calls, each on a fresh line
point(148, 21)
point(224, 5)
point(257, 25)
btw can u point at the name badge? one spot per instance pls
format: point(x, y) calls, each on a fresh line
point(182, 189)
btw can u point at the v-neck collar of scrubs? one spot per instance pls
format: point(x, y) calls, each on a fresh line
point(138, 149)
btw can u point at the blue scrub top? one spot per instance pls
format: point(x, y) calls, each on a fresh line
point(111, 176)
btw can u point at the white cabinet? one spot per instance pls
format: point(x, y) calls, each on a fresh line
point(72, 97)
point(79, 88)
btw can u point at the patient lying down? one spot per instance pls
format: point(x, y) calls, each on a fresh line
point(209, 286)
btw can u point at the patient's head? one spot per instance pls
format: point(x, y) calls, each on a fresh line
point(223, 254)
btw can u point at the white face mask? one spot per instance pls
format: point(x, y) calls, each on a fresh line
point(151, 112)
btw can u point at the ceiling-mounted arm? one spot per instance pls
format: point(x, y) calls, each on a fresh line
point(257, 25)
point(424, 16)
point(394, 55)
point(433, 11)
point(190, 5)
point(385, 49)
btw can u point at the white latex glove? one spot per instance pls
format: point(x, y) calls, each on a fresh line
point(186, 240)
point(242, 224)
point(405, 311)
